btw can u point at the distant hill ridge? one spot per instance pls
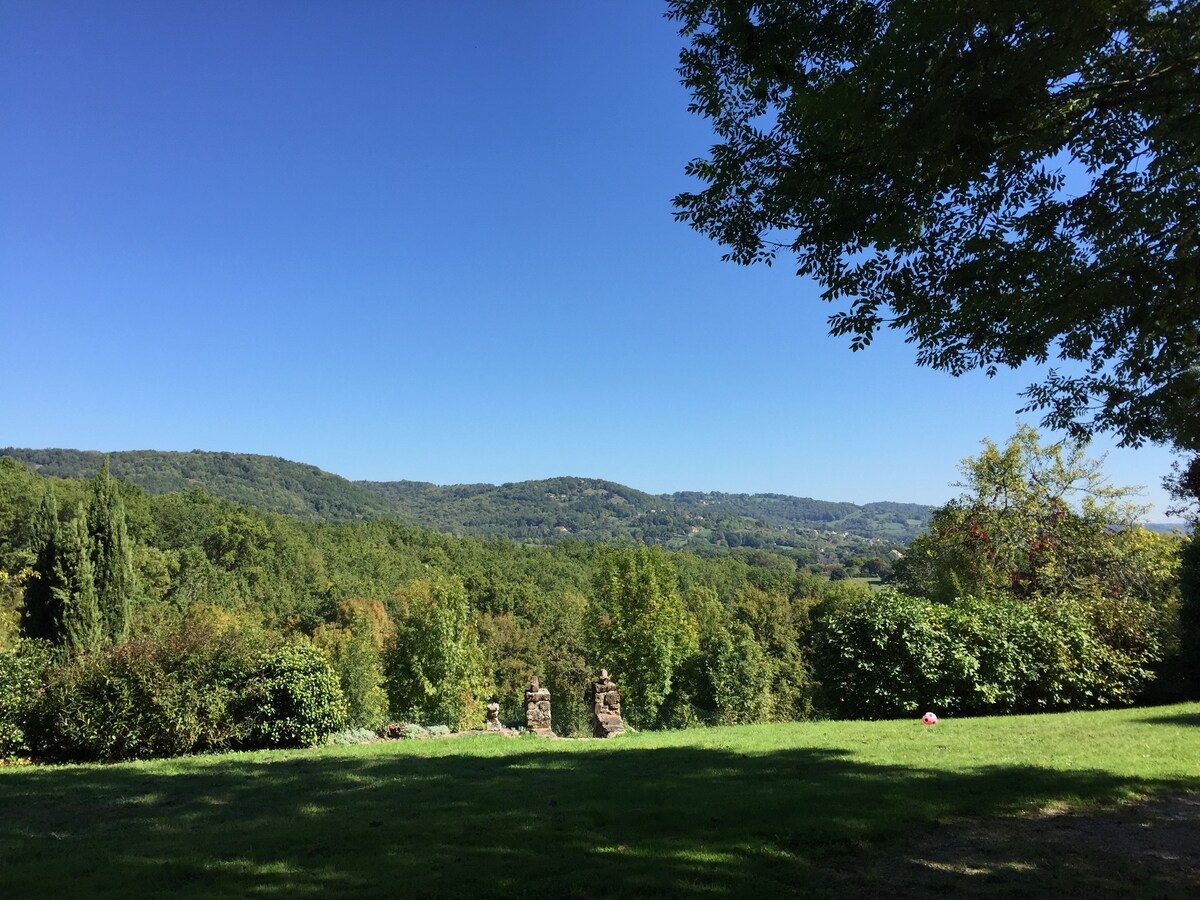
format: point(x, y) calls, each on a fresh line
point(543, 511)
point(265, 482)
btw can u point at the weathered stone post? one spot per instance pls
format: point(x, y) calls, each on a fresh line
point(493, 717)
point(606, 707)
point(537, 708)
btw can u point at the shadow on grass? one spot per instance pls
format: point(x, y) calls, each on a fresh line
point(630, 822)
point(1181, 719)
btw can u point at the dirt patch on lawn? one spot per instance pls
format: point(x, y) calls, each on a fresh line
point(1148, 848)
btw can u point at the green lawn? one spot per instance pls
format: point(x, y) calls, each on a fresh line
point(812, 808)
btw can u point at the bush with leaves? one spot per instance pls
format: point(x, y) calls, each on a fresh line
point(887, 655)
point(351, 736)
point(641, 629)
point(776, 624)
point(1189, 615)
point(157, 695)
point(22, 674)
point(1041, 525)
point(741, 674)
point(892, 654)
point(293, 698)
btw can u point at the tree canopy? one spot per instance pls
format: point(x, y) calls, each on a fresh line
point(1037, 521)
point(1002, 182)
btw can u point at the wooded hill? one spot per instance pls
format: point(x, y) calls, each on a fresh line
point(536, 512)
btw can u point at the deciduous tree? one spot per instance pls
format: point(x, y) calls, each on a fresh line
point(642, 631)
point(1001, 182)
point(433, 662)
point(1035, 520)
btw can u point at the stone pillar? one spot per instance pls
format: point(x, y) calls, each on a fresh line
point(606, 707)
point(537, 708)
point(493, 717)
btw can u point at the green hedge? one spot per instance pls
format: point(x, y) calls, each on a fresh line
point(186, 691)
point(890, 654)
point(154, 696)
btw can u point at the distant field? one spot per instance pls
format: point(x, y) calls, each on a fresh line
point(814, 809)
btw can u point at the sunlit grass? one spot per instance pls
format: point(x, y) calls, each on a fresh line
point(754, 810)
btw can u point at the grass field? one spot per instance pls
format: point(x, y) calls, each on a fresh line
point(823, 808)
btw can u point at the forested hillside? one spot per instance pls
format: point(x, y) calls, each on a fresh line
point(478, 616)
point(811, 532)
point(884, 521)
point(267, 483)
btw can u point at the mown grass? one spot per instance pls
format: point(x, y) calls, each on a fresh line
point(804, 809)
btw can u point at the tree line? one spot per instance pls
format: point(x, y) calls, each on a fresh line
point(134, 624)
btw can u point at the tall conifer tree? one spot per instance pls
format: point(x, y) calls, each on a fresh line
point(112, 556)
point(75, 587)
point(41, 616)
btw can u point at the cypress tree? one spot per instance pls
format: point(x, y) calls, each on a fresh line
point(112, 556)
point(41, 616)
point(75, 587)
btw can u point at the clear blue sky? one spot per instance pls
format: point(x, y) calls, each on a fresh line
point(423, 241)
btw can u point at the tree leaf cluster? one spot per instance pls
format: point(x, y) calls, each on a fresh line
point(1002, 183)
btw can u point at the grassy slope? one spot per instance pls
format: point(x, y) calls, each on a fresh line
point(750, 811)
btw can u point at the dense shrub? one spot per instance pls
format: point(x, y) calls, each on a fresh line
point(293, 699)
point(892, 654)
point(153, 696)
point(741, 675)
point(776, 626)
point(22, 671)
point(886, 655)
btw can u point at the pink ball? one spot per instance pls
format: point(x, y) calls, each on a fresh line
point(929, 719)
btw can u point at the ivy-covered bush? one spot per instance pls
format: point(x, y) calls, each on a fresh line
point(22, 672)
point(155, 696)
point(293, 699)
